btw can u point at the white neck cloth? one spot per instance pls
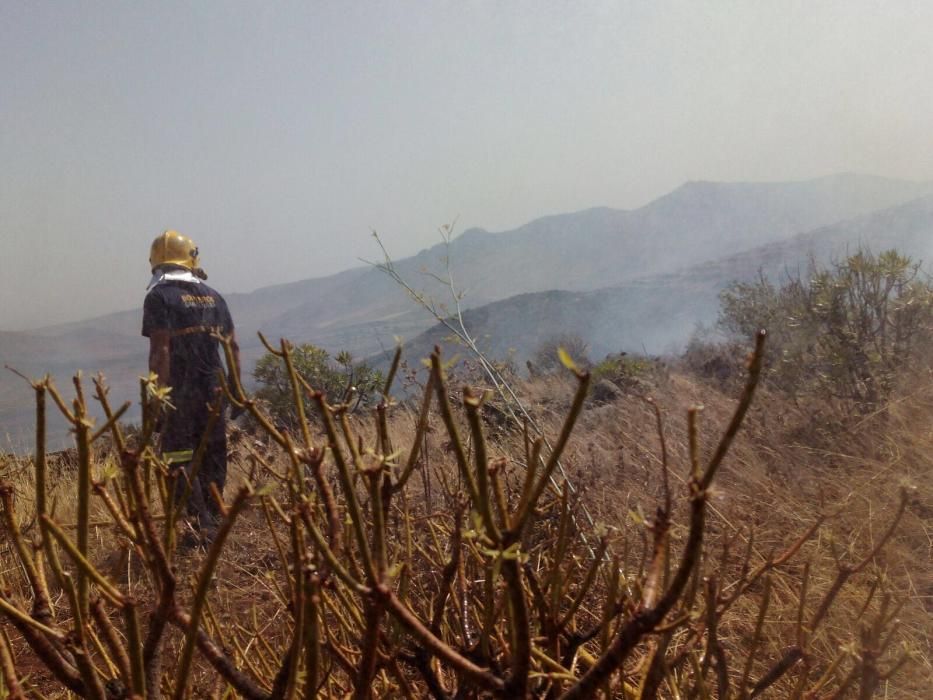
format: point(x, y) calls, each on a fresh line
point(160, 276)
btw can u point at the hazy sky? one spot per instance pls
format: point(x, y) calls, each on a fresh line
point(279, 135)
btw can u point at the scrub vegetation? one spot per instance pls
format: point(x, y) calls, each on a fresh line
point(845, 331)
point(739, 541)
point(341, 379)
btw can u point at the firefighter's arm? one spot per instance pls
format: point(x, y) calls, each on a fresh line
point(159, 356)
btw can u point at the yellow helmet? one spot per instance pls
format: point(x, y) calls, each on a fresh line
point(173, 248)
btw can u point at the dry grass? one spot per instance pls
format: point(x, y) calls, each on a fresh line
point(792, 463)
point(789, 466)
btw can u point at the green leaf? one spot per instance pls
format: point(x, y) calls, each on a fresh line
point(265, 490)
point(566, 360)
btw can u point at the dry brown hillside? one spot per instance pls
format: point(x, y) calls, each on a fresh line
point(428, 595)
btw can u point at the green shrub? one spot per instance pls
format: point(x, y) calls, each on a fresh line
point(341, 379)
point(845, 332)
point(624, 369)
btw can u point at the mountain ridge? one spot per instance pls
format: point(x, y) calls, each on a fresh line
point(657, 314)
point(861, 193)
point(362, 309)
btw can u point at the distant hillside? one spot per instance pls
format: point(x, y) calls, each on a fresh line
point(657, 314)
point(585, 250)
point(362, 309)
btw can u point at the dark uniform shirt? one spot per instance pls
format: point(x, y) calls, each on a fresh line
point(191, 313)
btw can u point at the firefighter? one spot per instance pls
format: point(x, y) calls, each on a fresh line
point(183, 317)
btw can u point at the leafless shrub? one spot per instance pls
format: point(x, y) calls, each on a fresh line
point(386, 588)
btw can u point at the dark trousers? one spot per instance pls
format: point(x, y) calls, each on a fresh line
point(185, 428)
